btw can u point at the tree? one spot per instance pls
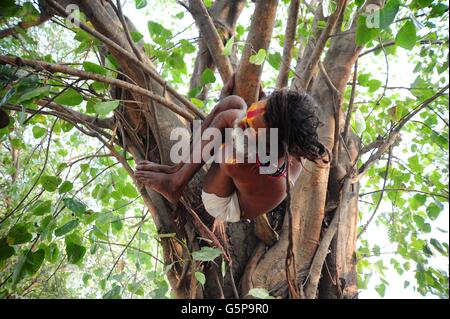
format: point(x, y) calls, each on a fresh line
point(130, 108)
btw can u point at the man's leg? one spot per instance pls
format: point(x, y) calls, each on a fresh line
point(170, 181)
point(228, 103)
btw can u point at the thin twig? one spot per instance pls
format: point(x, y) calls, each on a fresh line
point(380, 198)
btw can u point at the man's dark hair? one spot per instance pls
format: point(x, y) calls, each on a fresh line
point(296, 117)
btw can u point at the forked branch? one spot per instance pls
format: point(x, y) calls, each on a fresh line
point(211, 38)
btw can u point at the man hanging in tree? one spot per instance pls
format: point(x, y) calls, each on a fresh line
point(234, 191)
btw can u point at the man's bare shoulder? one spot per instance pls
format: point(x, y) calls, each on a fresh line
point(234, 100)
point(229, 117)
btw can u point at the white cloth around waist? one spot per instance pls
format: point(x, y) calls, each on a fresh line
point(226, 209)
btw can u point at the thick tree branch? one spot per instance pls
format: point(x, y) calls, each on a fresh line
point(289, 38)
point(146, 68)
point(58, 68)
point(102, 123)
point(350, 104)
point(323, 249)
point(127, 31)
point(92, 131)
point(248, 75)
point(211, 38)
point(305, 54)
point(24, 25)
point(307, 74)
point(224, 14)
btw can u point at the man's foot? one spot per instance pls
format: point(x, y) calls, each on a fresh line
point(154, 167)
point(163, 183)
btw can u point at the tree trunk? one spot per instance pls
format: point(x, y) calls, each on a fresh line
point(319, 196)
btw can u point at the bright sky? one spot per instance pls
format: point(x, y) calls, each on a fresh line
point(401, 74)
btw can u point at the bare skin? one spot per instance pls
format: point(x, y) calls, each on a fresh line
point(257, 193)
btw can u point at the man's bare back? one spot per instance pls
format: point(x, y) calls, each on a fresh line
point(226, 183)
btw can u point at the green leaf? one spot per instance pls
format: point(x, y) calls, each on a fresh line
point(104, 108)
point(426, 228)
point(206, 254)
point(114, 293)
point(129, 190)
point(18, 235)
point(6, 251)
point(117, 225)
point(7, 96)
point(136, 288)
point(436, 244)
point(208, 76)
point(423, 3)
point(406, 36)
point(38, 131)
point(19, 269)
point(381, 289)
point(438, 10)
point(69, 97)
point(75, 205)
point(414, 162)
point(258, 58)
point(94, 68)
point(50, 183)
point(34, 93)
point(86, 277)
point(433, 211)
point(200, 277)
point(90, 107)
point(140, 3)
point(29, 12)
point(158, 32)
point(419, 220)
point(99, 233)
point(427, 251)
point(187, 46)
point(17, 143)
point(136, 36)
point(376, 250)
point(388, 13)
point(75, 252)
point(28, 264)
point(52, 253)
point(363, 79)
point(260, 293)
point(197, 102)
point(229, 46)
point(8, 8)
point(66, 228)
point(275, 60)
point(41, 207)
point(65, 187)
point(364, 34)
point(194, 92)
point(374, 85)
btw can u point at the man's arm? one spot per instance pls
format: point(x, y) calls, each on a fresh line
point(232, 102)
